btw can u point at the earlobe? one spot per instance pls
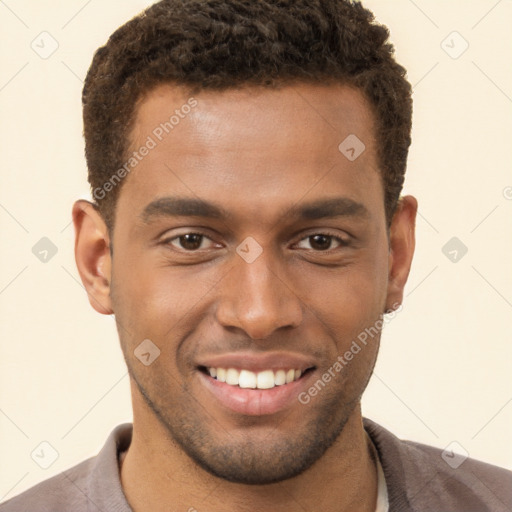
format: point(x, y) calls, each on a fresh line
point(401, 249)
point(92, 254)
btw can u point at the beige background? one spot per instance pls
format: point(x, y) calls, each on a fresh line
point(444, 371)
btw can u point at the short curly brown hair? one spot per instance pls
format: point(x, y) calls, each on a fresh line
point(225, 44)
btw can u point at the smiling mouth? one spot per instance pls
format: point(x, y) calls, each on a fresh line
point(246, 379)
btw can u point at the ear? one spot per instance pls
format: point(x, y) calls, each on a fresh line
point(92, 254)
point(401, 250)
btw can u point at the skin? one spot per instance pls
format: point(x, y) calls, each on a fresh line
point(261, 155)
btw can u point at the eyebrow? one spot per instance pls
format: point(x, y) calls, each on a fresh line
point(192, 207)
point(179, 206)
point(324, 208)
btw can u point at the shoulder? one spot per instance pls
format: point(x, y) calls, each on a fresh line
point(66, 491)
point(92, 485)
point(445, 478)
point(426, 478)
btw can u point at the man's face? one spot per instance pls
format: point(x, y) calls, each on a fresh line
point(246, 240)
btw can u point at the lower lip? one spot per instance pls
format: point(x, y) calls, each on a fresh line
point(255, 402)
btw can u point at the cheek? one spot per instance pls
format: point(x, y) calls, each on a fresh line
point(154, 300)
point(349, 298)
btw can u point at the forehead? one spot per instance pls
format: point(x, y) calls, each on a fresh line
point(256, 114)
point(254, 149)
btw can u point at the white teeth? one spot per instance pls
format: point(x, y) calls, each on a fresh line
point(232, 377)
point(280, 377)
point(266, 379)
point(246, 379)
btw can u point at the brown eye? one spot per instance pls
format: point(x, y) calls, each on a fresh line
point(189, 241)
point(321, 242)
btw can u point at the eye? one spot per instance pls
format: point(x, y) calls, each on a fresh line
point(321, 242)
point(190, 242)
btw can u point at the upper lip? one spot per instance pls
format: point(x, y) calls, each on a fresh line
point(258, 362)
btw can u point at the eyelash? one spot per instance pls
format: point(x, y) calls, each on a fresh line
point(342, 242)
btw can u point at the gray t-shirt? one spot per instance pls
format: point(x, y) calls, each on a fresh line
point(417, 478)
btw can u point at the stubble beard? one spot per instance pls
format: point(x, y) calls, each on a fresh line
point(251, 460)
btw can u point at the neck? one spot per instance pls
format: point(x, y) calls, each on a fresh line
point(155, 473)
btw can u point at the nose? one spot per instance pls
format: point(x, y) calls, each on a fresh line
point(258, 299)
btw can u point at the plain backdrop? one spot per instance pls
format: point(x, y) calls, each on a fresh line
point(444, 370)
